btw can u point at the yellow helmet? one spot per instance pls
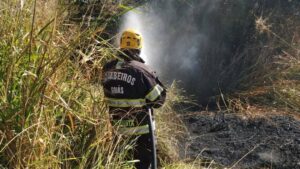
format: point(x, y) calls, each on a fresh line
point(130, 39)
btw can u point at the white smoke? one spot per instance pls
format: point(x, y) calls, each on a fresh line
point(184, 40)
point(138, 20)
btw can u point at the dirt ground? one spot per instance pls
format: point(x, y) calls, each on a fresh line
point(240, 141)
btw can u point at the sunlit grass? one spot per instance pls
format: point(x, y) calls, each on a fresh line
point(52, 116)
point(52, 112)
point(274, 80)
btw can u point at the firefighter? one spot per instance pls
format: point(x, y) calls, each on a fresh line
point(131, 90)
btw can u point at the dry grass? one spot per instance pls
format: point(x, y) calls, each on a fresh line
point(52, 116)
point(52, 113)
point(274, 82)
point(170, 128)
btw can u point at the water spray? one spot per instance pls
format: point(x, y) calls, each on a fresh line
point(191, 42)
point(133, 20)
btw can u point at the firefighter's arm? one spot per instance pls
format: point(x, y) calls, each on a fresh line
point(155, 91)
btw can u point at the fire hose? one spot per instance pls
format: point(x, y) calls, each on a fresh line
point(153, 142)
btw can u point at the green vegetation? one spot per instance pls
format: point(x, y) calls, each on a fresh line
point(52, 113)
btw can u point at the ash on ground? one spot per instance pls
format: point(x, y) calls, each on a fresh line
point(236, 141)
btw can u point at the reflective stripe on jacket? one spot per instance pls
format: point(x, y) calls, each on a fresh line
point(151, 96)
point(131, 84)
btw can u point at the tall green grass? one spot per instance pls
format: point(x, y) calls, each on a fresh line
point(52, 113)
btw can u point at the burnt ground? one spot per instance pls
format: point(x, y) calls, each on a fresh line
point(239, 141)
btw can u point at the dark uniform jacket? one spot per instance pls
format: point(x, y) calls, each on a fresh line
point(131, 89)
point(131, 85)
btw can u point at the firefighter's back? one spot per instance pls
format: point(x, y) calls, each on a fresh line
point(125, 85)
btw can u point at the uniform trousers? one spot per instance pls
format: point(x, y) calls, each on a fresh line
point(143, 146)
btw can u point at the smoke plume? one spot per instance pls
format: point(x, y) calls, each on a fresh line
point(197, 42)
